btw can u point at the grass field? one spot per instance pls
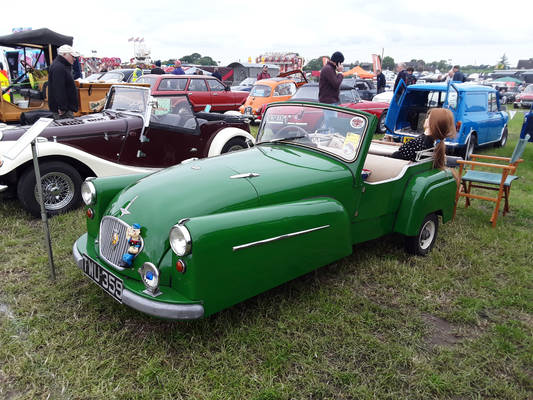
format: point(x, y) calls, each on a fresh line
point(378, 324)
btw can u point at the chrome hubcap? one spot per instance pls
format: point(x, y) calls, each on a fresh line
point(427, 234)
point(58, 190)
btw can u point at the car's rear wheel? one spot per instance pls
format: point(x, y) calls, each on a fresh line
point(503, 140)
point(381, 122)
point(423, 242)
point(61, 185)
point(234, 144)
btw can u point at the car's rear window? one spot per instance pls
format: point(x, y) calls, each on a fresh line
point(260, 91)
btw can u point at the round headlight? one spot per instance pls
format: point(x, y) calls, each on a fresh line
point(88, 193)
point(180, 240)
point(150, 277)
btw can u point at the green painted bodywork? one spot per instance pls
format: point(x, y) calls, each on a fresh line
point(296, 190)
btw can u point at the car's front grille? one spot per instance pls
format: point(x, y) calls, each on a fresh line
point(113, 244)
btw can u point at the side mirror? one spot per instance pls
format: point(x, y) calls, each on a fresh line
point(227, 88)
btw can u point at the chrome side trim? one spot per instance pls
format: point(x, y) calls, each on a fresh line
point(151, 307)
point(275, 238)
point(245, 175)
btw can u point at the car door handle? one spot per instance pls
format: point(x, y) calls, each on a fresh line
point(194, 150)
point(189, 93)
point(215, 94)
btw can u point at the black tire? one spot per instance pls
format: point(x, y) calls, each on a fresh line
point(61, 188)
point(470, 145)
point(503, 140)
point(423, 242)
point(381, 123)
point(234, 144)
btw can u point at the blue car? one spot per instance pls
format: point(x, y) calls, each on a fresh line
point(479, 118)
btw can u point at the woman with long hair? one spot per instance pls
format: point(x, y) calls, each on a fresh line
point(439, 125)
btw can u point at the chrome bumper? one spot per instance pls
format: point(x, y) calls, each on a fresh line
point(151, 307)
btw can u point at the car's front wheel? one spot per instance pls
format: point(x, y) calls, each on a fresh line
point(423, 242)
point(61, 185)
point(234, 144)
point(381, 122)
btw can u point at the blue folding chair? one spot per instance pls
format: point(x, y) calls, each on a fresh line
point(501, 182)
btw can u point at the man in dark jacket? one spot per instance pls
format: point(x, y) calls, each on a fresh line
point(157, 70)
point(330, 79)
point(458, 75)
point(381, 82)
point(405, 75)
point(216, 74)
point(62, 93)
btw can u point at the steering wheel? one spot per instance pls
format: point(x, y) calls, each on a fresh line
point(296, 130)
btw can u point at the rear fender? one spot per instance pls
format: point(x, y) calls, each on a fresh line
point(237, 255)
point(223, 136)
point(426, 193)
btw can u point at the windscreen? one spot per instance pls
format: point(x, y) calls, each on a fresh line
point(132, 99)
point(328, 130)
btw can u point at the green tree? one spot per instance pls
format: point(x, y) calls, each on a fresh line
point(314, 65)
point(388, 63)
point(503, 63)
point(443, 65)
point(191, 59)
point(206, 60)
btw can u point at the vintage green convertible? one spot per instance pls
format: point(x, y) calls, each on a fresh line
point(195, 238)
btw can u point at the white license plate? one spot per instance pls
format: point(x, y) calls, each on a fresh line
point(103, 278)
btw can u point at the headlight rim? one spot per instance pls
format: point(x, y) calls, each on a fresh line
point(187, 237)
point(92, 192)
point(154, 289)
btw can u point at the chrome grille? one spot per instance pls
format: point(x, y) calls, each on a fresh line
point(109, 252)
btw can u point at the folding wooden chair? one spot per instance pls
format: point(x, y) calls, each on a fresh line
point(500, 182)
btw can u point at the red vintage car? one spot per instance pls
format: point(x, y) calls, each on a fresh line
point(202, 90)
point(348, 98)
point(524, 99)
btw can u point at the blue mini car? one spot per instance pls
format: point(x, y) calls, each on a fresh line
point(479, 118)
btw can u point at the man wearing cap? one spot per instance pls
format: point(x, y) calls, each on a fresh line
point(62, 93)
point(177, 68)
point(330, 79)
point(263, 74)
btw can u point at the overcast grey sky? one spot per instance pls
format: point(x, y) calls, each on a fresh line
point(465, 32)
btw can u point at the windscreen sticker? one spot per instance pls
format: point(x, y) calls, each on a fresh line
point(357, 122)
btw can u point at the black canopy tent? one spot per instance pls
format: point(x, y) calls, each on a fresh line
point(42, 38)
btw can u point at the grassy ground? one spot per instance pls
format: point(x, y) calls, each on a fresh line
point(378, 324)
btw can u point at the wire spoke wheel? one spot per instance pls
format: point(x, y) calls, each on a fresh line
point(58, 190)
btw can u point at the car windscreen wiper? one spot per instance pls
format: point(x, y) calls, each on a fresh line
point(286, 138)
